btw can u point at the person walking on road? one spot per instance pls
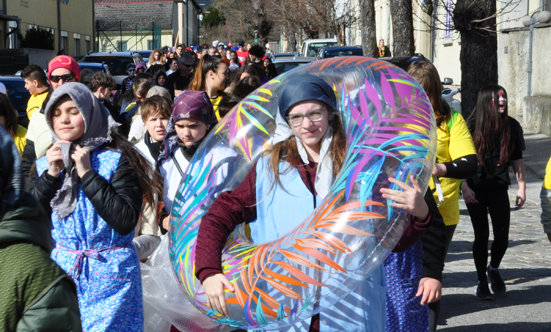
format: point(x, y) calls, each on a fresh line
point(499, 142)
point(456, 160)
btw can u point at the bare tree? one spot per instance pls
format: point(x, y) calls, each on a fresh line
point(402, 27)
point(368, 28)
point(243, 18)
point(334, 16)
point(294, 17)
point(475, 20)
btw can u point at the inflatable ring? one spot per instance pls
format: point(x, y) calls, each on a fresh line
point(391, 132)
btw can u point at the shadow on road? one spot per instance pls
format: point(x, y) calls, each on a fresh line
point(511, 277)
point(460, 250)
point(454, 305)
point(506, 327)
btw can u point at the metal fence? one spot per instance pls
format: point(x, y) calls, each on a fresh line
point(124, 39)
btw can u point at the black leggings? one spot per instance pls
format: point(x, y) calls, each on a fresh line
point(497, 203)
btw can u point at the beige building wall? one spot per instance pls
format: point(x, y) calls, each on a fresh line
point(77, 22)
point(447, 46)
point(134, 41)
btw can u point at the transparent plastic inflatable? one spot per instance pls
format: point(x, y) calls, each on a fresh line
point(391, 132)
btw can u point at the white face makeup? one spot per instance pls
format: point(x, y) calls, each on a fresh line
point(502, 102)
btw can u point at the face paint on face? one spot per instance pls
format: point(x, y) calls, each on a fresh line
point(502, 102)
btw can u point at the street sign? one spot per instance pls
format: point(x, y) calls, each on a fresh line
point(256, 41)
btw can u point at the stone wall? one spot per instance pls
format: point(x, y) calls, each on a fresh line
point(536, 115)
point(513, 52)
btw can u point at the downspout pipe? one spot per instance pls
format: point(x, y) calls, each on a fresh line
point(6, 24)
point(433, 31)
point(59, 44)
point(389, 24)
point(533, 20)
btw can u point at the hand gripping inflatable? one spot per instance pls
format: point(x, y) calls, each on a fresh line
point(390, 131)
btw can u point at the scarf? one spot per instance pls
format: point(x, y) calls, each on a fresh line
point(189, 151)
point(98, 126)
point(153, 147)
point(324, 172)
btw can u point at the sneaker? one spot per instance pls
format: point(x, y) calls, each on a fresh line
point(483, 291)
point(498, 285)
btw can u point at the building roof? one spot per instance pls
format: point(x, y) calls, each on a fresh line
point(113, 15)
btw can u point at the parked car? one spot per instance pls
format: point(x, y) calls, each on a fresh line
point(95, 67)
point(404, 62)
point(284, 64)
point(281, 55)
point(311, 47)
point(116, 61)
point(19, 96)
point(144, 53)
point(331, 52)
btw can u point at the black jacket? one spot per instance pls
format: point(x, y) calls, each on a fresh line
point(118, 202)
point(27, 160)
point(434, 242)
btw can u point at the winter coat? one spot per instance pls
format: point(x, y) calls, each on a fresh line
point(36, 294)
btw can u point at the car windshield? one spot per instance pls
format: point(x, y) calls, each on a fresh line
point(117, 65)
point(283, 67)
point(95, 69)
point(313, 48)
point(19, 96)
point(335, 53)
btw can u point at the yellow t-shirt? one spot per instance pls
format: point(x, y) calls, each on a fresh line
point(452, 144)
point(20, 140)
point(547, 179)
point(215, 102)
point(35, 103)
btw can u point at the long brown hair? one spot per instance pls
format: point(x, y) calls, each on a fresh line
point(150, 181)
point(287, 150)
point(489, 124)
point(9, 113)
point(427, 75)
point(207, 63)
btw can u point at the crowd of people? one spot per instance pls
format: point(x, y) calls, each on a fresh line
point(87, 189)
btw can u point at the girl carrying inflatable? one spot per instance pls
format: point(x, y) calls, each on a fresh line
point(284, 187)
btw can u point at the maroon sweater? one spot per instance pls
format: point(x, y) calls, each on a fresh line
point(235, 207)
point(238, 206)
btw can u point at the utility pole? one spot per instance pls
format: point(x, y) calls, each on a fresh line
point(59, 43)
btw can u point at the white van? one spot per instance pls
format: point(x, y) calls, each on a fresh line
point(311, 47)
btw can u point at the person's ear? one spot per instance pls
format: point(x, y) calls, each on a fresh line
point(35, 83)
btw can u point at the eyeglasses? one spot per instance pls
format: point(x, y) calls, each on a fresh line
point(296, 119)
point(65, 78)
point(131, 70)
point(187, 66)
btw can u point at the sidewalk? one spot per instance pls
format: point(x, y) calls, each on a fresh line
point(526, 266)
